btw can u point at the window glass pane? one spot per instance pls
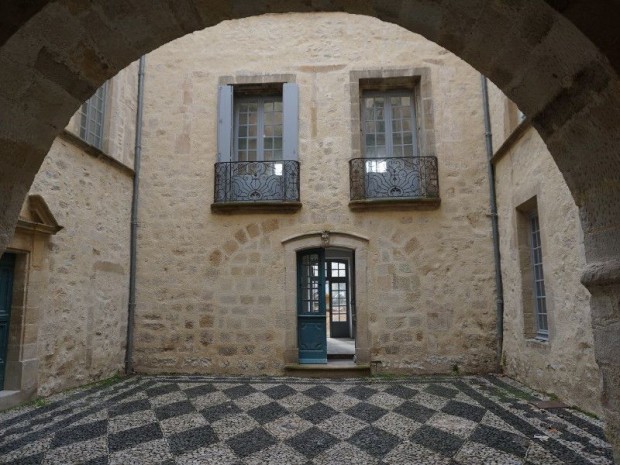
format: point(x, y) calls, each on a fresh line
point(92, 117)
point(538, 276)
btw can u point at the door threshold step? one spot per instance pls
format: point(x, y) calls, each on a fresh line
point(339, 369)
point(331, 357)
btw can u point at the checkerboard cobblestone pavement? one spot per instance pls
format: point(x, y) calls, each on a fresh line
point(287, 421)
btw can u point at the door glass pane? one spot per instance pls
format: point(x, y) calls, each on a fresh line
point(339, 301)
point(310, 280)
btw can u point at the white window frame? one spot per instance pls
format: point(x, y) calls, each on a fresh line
point(388, 119)
point(260, 126)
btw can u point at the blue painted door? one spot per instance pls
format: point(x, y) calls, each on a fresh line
point(7, 267)
point(311, 319)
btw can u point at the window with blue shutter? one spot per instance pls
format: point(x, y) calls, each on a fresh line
point(257, 143)
point(255, 126)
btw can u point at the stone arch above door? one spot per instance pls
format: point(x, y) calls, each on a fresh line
point(323, 239)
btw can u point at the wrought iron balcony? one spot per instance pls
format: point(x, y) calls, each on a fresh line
point(393, 179)
point(260, 183)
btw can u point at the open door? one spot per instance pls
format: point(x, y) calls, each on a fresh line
point(311, 317)
point(337, 283)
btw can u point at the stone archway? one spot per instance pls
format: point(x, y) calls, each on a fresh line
point(561, 69)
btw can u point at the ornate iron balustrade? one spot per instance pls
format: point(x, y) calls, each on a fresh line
point(257, 181)
point(401, 178)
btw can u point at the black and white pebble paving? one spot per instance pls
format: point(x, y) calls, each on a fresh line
point(218, 421)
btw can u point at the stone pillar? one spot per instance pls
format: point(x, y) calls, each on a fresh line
point(603, 281)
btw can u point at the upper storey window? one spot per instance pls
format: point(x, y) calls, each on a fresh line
point(257, 145)
point(92, 117)
point(258, 122)
point(258, 132)
point(391, 171)
point(388, 125)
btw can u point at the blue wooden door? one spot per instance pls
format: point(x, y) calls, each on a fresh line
point(311, 319)
point(7, 267)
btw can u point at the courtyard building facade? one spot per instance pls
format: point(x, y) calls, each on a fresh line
point(298, 196)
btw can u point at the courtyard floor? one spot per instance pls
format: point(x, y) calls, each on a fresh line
point(287, 421)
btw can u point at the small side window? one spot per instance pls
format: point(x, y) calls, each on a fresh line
point(92, 117)
point(539, 294)
point(534, 295)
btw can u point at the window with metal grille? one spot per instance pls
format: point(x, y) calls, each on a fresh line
point(92, 114)
point(540, 303)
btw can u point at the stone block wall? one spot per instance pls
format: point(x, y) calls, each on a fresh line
point(211, 287)
point(563, 365)
point(77, 288)
point(69, 320)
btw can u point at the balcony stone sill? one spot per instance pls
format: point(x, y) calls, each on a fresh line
point(399, 204)
point(255, 207)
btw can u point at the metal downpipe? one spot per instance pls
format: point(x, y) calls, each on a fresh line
point(134, 220)
point(499, 289)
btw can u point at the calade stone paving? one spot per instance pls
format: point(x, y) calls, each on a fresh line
point(206, 420)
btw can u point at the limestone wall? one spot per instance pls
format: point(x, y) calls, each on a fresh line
point(565, 364)
point(80, 289)
point(504, 115)
point(69, 318)
point(212, 287)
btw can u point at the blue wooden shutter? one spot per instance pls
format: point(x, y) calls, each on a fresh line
point(290, 132)
point(224, 123)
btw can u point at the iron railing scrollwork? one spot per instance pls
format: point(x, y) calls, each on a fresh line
point(394, 178)
point(257, 181)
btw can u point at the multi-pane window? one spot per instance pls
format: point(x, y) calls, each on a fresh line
point(310, 282)
point(388, 124)
point(540, 303)
point(92, 114)
point(258, 128)
point(337, 273)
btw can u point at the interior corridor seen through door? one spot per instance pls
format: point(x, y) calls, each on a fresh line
point(326, 305)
